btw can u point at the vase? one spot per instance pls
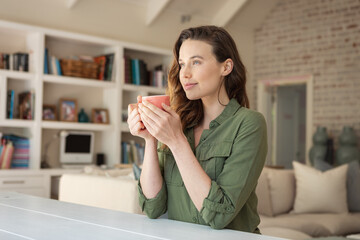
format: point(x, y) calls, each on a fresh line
point(319, 148)
point(82, 116)
point(347, 151)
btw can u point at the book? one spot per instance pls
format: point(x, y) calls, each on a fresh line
point(20, 153)
point(26, 105)
point(58, 67)
point(8, 153)
point(21, 62)
point(128, 70)
point(101, 60)
point(109, 66)
point(46, 61)
point(53, 65)
point(10, 104)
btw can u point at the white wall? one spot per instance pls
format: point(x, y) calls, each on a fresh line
point(124, 21)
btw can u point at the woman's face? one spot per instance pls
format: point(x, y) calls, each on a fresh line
point(200, 72)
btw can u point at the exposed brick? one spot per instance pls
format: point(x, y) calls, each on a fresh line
point(318, 37)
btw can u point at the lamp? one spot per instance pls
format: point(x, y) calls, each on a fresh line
point(44, 162)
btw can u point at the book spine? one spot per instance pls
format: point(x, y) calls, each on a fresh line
point(58, 67)
point(8, 155)
point(53, 66)
point(46, 65)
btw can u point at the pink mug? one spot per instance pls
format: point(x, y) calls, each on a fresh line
point(157, 100)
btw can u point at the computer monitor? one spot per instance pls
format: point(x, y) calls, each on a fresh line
point(76, 147)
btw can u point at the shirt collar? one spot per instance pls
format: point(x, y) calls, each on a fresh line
point(230, 109)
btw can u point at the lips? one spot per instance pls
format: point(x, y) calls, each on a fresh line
point(188, 86)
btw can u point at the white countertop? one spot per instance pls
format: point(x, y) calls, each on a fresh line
point(28, 217)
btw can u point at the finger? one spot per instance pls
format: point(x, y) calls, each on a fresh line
point(168, 109)
point(146, 119)
point(132, 106)
point(153, 108)
point(136, 129)
point(133, 114)
point(149, 112)
point(139, 99)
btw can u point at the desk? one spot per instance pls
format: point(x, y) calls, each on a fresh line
point(29, 217)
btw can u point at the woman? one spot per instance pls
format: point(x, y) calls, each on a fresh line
point(212, 148)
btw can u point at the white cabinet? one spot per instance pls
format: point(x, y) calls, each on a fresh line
point(113, 95)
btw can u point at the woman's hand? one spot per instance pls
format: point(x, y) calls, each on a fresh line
point(136, 126)
point(165, 125)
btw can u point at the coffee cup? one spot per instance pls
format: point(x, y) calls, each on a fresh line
point(157, 100)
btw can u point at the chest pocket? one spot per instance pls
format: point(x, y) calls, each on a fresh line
point(171, 172)
point(212, 158)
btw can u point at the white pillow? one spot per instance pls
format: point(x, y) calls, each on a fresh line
point(320, 192)
point(282, 190)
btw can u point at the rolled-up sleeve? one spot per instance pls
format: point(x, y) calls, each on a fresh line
point(153, 207)
point(238, 179)
point(157, 206)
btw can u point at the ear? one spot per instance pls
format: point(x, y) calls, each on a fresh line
point(227, 67)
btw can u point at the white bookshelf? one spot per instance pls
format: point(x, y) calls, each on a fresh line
point(113, 95)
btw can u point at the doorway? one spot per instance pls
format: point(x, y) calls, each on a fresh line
point(286, 104)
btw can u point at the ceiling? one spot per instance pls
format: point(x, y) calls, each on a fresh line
point(218, 12)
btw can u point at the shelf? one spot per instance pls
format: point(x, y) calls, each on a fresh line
point(17, 74)
point(18, 123)
point(139, 88)
point(78, 81)
point(76, 126)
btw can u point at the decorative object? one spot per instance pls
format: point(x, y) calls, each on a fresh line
point(49, 112)
point(347, 150)
point(319, 149)
point(320, 192)
point(79, 68)
point(68, 110)
point(82, 116)
point(100, 115)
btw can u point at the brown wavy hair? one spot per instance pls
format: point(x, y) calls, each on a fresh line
point(223, 47)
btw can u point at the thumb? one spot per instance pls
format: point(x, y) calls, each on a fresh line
point(168, 109)
point(139, 99)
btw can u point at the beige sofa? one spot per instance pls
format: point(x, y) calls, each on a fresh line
point(117, 190)
point(111, 189)
point(276, 193)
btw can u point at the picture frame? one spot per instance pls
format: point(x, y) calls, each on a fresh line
point(68, 108)
point(100, 115)
point(49, 112)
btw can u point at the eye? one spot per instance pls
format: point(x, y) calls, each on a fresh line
point(181, 65)
point(196, 62)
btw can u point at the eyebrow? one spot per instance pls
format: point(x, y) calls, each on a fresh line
point(196, 56)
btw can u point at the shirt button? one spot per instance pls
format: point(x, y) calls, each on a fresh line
point(194, 219)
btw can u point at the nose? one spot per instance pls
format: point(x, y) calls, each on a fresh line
point(186, 71)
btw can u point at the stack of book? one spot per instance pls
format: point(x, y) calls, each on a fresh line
point(106, 69)
point(51, 64)
point(14, 152)
point(136, 72)
point(18, 61)
point(26, 105)
point(132, 153)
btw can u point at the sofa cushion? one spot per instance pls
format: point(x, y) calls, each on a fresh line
point(282, 190)
point(320, 192)
point(352, 182)
point(263, 194)
point(316, 225)
point(284, 233)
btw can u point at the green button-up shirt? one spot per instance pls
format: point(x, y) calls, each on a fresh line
point(232, 152)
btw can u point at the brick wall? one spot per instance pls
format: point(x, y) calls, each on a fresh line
point(322, 38)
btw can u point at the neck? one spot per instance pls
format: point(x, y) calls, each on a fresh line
point(212, 109)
